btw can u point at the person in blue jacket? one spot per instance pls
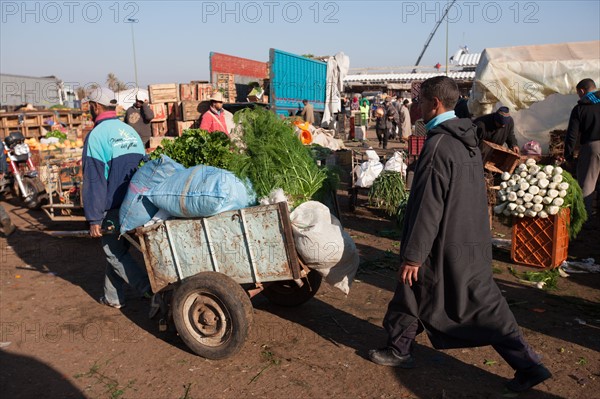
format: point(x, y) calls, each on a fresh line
point(111, 154)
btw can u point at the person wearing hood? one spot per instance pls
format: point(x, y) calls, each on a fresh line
point(585, 123)
point(445, 278)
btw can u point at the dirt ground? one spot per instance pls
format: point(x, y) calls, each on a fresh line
point(58, 342)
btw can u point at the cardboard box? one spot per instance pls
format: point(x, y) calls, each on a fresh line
point(160, 112)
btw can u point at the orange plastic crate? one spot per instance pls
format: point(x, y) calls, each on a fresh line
point(541, 242)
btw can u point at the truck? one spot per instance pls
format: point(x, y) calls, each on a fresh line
point(287, 79)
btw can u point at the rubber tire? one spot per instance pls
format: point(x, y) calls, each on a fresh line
point(288, 294)
point(233, 300)
point(38, 189)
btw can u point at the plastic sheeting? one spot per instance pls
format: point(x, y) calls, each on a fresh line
point(337, 69)
point(537, 83)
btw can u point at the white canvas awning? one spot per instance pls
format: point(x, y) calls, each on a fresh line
point(537, 83)
point(520, 76)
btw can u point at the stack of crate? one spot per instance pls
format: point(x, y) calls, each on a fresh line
point(177, 107)
point(164, 98)
point(226, 85)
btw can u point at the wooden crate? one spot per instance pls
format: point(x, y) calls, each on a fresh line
point(188, 92)
point(163, 93)
point(174, 111)
point(180, 126)
point(498, 159)
point(190, 110)
point(155, 141)
point(160, 112)
point(159, 129)
point(205, 91)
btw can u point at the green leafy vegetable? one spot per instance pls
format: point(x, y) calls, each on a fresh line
point(275, 158)
point(57, 134)
point(574, 200)
point(198, 147)
point(388, 192)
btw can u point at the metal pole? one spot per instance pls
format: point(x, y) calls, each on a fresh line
point(447, 36)
point(132, 21)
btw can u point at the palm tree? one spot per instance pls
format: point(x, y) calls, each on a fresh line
point(112, 81)
point(81, 93)
point(120, 86)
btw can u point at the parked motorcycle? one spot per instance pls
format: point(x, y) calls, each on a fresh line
point(21, 177)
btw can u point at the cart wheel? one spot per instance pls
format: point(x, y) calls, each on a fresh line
point(35, 190)
point(287, 293)
point(212, 314)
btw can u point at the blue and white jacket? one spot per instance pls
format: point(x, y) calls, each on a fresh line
point(111, 154)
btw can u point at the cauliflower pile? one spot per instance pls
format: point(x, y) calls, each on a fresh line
point(532, 191)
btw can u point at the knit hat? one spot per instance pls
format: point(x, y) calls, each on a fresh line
point(502, 116)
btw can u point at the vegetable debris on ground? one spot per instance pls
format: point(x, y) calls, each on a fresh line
point(275, 158)
point(198, 147)
point(546, 279)
point(388, 192)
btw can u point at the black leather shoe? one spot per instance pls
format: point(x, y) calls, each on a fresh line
point(525, 379)
point(389, 357)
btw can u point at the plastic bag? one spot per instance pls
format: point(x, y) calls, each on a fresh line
point(532, 148)
point(323, 244)
point(202, 191)
point(396, 164)
point(367, 172)
point(136, 210)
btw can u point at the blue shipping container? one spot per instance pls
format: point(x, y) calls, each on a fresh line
point(294, 78)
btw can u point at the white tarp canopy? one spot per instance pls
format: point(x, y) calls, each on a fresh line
point(337, 69)
point(523, 77)
point(126, 98)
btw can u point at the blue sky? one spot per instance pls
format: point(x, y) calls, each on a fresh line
point(81, 41)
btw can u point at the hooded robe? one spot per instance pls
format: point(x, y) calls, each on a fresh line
point(447, 232)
